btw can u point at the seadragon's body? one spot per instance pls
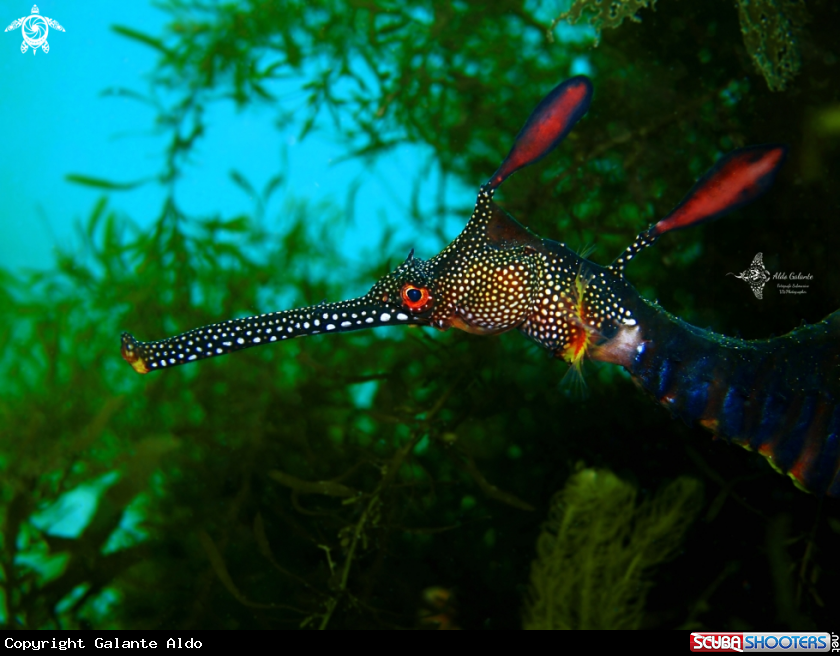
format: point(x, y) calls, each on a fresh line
point(779, 396)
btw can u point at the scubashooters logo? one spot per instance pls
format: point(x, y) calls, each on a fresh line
point(35, 29)
point(757, 275)
point(755, 642)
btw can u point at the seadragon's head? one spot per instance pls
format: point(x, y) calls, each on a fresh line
point(496, 275)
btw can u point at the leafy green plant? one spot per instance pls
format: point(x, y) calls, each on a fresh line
point(598, 547)
point(772, 30)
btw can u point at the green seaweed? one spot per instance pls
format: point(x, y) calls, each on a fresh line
point(598, 547)
point(605, 14)
point(770, 29)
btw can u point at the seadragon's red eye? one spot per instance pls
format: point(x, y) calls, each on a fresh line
point(413, 297)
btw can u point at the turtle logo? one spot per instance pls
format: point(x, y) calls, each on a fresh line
point(35, 29)
point(756, 275)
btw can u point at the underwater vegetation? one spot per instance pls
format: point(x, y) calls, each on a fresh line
point(605, 14)
point(597, 548)
point(770, 29)
point(330, 482)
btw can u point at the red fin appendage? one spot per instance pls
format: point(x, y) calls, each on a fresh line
point(737, 179)
point(547, 126)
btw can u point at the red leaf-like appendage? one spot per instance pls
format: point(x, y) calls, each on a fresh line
point(737, 179)
point(547, 126)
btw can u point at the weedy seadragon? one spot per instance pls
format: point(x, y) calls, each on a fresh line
point(777, 396)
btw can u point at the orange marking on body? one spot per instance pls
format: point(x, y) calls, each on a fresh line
point(135, 361)
point(766, 450)
point(812, 444)
point(580, 339)
point(709, 424)
point(714, 403)
point(576, 348)
point(798, 470)
point(460, 324)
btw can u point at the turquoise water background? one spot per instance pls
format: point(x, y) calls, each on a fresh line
point(63, 114)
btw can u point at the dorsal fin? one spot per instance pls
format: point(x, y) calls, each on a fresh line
point(504, 230)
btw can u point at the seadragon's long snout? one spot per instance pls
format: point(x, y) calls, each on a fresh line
point(238, 334)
